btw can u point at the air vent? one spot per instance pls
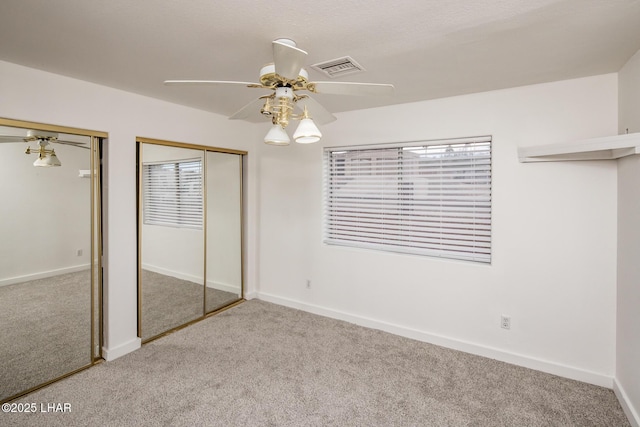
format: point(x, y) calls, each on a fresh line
point(339, 67)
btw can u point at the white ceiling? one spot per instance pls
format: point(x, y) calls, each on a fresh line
point(426, 48)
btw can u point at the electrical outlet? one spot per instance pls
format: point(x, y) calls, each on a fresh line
point(308, 284)
point(505, 322)
point(79, 252)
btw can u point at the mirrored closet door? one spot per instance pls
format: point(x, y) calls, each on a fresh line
point(50, 252)
point(190, 233)
point(224, 229)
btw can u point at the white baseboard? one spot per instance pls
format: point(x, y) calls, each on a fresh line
point(223, 287)
point(251, 295)
point(467, 347)
point(191, 278)
point(110, 354)
point(43, 274)
point(631, 412)
point(176, 274)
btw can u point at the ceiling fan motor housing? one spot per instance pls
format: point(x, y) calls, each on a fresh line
point(269, 78)
point(284, 92)
point(41, 134)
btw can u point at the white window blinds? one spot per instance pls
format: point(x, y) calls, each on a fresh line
point(430, 198)
point(172, 194)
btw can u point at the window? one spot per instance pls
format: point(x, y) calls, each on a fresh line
point(429, 198)
point(173, 193)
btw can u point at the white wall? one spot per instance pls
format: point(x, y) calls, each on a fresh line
point(554, 234)
point(628, 310)
point(33, 95)
point(46, 214)
point(173, 251)
point(629, 96)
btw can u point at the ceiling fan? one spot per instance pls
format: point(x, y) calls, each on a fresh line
point(285, 77)
point(46, 156)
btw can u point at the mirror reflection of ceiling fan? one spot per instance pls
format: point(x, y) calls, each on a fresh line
point(285, 77)
point(46, 154)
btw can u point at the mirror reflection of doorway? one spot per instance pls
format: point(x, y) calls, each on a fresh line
point(50, 279)
point(190, 233)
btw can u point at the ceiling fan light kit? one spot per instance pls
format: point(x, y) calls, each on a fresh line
point(285, 76)
point(46, 157)
point(47, 160)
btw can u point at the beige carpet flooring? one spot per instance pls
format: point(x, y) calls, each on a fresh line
point(259, 364)
point(45, 330)
point(45, 324)
point(169, 302)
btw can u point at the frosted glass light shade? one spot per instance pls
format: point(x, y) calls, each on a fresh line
point(277, 136)
point(53, 160)
point(46, 161)
point(41, 161)
point(307, 132)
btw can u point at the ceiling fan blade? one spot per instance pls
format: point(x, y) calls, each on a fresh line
point(73, 144)
point(288, 60)
point(317, 112)
point(211, 83)
point(71, 139)
point(10, 138)
point(351, 88)
point(251, 112)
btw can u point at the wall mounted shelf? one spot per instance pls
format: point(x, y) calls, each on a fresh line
point(606, 148)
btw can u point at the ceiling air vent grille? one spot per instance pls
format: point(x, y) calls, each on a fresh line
point(339, 67)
